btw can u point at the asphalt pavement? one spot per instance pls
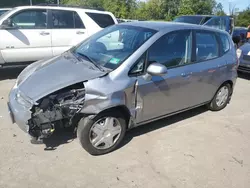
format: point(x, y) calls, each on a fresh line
point(195, 149)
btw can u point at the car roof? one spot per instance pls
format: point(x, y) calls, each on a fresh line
point(199, 15)
point(61, 8)
point(156, 25)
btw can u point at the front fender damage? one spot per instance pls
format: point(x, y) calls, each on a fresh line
point(64, 108)
point(97, 101)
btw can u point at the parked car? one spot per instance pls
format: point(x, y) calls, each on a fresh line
point(225, 23)
point(158, 70)
point(243, 53)
point(240, 35)
point(31, 33)
point(3, 10)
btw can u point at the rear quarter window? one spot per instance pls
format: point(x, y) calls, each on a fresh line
point(206, 46)
point(103, 20)
point(224, 43)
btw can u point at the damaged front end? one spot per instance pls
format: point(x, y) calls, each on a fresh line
point(57, 110)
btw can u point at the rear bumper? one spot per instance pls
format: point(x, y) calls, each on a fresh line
point(18, 113)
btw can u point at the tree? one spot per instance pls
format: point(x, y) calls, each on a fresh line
point(120, 8)
point(218, 10)
point(243, 19)
point(196, 7)
point(87, 3)
point(13, 3)
point(172, 8)
point(186, 8)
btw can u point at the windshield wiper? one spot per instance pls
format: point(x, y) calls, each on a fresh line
point(91, 60)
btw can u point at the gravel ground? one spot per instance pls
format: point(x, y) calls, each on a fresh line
point(198, 148)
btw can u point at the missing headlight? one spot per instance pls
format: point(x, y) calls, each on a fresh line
point(56, 109)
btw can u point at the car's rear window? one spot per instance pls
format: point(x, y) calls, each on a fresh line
point(225, 43)
point(103, 20)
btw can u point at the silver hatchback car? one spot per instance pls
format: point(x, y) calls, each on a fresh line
point(122, 77)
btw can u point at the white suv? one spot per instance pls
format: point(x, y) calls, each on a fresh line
point(31, 33)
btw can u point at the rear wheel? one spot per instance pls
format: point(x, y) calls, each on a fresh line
point(221, 98)
point(102, 134)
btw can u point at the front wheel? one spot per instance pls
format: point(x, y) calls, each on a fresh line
point(221, 98)
point(103, 133)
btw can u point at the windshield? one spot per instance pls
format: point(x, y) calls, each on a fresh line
point(189, 19)
point(110, 47)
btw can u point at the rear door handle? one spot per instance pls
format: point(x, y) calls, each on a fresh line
point(80, 32)
point(44, 33)
point(186, 74)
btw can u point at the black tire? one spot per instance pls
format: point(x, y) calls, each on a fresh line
point(213, 105)
point(84, 128)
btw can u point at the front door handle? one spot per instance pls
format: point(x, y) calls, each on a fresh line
point(80, 32)
point(44, 33)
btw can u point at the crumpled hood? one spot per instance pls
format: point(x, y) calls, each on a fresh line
point(47, 76)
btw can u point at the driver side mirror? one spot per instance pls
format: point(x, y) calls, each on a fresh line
point(7, 24)
point(157, 69)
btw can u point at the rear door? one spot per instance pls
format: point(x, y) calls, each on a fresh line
point(68, 30)
point(209, 66)
point(29, 40)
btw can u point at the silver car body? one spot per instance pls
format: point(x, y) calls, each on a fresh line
point(144, 98)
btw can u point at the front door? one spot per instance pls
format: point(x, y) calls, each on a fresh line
point(29, 39)
point(68, 30)
point(161, 95)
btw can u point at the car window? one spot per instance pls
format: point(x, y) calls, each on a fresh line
point(206, 46)
point(31, 19)
point(225, 43)
point(113, 45)
point(2, 12)
point(217, 22)
point(62, 19)
point(78, 21)
point(139, 66)
point(103, 20)
point(173, 49)
point(206, 19)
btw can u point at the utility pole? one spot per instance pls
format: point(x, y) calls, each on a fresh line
point(31, 2)
point(58, 2)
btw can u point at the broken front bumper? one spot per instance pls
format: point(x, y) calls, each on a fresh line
point(18, 113)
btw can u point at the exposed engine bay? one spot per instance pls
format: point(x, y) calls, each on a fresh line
point(56, 110)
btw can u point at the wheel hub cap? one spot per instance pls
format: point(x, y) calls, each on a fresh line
point(105, 132)
point(222, 96)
